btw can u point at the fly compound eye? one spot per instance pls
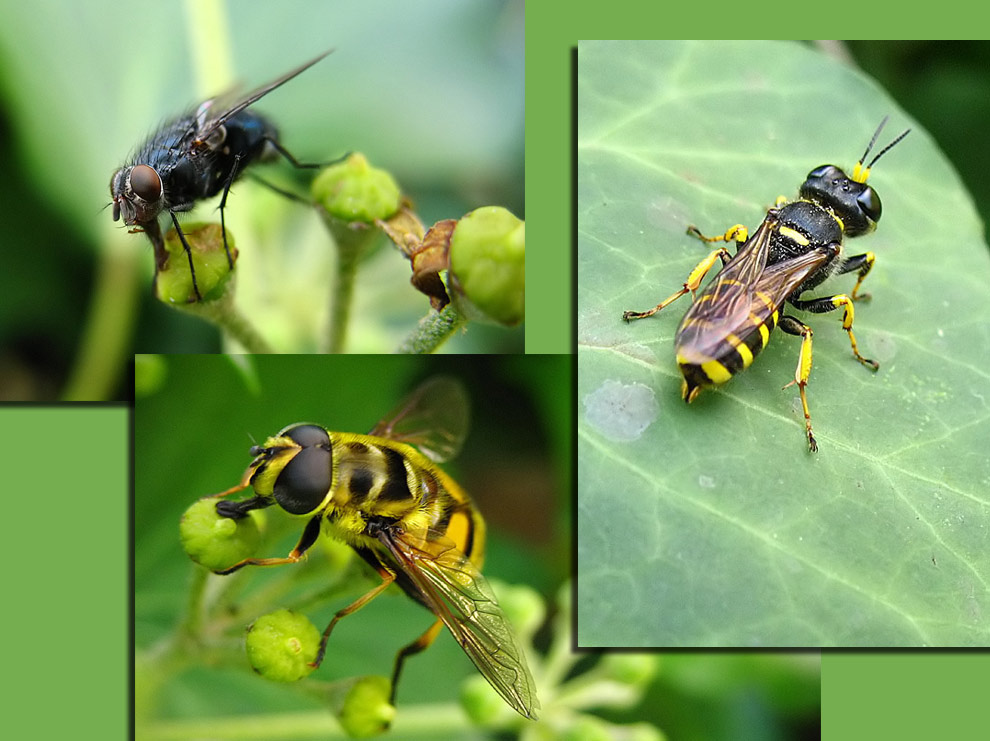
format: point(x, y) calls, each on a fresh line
point(869, 204)
point(145, 183)
point(307, 435)
point(304, 482)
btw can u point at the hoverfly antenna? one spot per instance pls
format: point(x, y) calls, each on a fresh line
point(861, 173)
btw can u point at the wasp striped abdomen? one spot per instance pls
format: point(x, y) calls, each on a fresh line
point(715, 363)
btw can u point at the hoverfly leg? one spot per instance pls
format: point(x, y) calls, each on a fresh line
point(238, 510)
point(309, 537)
point(387, 578)
point(188, 249)
point(420, 644)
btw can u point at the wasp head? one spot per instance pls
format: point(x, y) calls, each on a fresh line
point(137, 194)
point(854, 202)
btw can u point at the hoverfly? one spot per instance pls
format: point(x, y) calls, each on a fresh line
point(196, 156)
point(797, 247)
point(383, 494)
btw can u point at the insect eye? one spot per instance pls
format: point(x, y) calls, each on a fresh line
point(308, 435)
point(145, 183)
point(304, 482)
point(819, 172)
point(869, 204)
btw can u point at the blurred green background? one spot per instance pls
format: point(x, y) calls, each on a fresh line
point(194, 422)
point(431, 91)
point(944, 85)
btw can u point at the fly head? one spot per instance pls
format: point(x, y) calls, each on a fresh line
point(137, 194)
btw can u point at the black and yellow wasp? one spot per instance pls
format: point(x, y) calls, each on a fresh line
point(797, 247)
point(383, 494)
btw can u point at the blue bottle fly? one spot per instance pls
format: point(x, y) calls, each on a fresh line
point(193, 157)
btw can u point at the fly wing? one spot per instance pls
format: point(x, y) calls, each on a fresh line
point(726, 302)
point(456, 592)
point(211, 122)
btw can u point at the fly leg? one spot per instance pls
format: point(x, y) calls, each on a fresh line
point(223, 203)
point(297, 164)
point(188, 249)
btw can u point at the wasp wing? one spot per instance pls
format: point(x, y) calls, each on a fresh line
point(747, 287)
point(726, 302)
point(781, 279)
point(214, 121)
point(434, 418)
point(455, 591)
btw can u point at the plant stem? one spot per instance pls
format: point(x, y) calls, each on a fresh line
point(109, 325)
point(351, 244)
point(433, 330)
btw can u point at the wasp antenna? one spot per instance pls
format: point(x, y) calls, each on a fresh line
point(861, 172)
point(873, 141)
point(887, 148)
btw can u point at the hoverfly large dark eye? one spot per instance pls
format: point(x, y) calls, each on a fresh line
point(308, 435)
point(869, 204)
point(145, 183)
point(304, 482)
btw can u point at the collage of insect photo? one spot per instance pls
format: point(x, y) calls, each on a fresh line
point(725, 475)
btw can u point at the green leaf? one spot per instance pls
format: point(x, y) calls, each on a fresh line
point(712, 524)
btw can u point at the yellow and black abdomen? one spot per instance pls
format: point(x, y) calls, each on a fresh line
point(717, 339)
point(390, 482)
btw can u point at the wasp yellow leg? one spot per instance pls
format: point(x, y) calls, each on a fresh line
point(737, 233)
point(387, 578)
point(831, 303)
point(863, 264)
point(690, 285)
point(420, 644)
point(792, 326)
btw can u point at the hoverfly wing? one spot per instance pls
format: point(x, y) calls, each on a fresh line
point(208, 121)
point(457, 593)
point(434, 418)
